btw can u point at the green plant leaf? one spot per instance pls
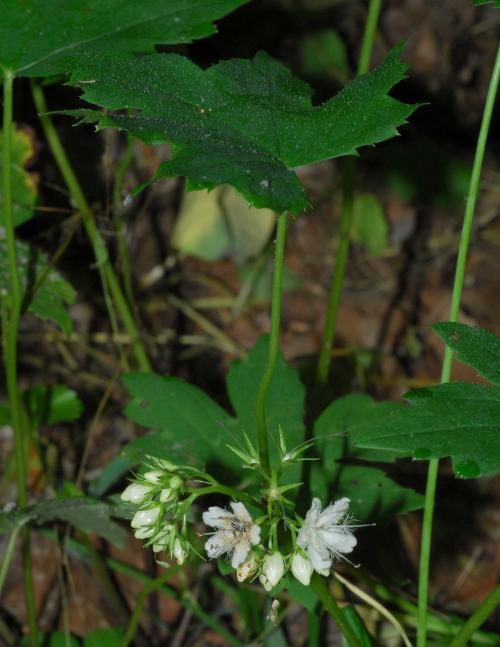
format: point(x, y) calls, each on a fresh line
point(244, 123)
point(217, 224)
point(324, 54)
point(46, 37)
point(24, 189)
point(284, 404)
point(47, 405)
point(111, 637)
point(373, 494)
point(457, 420)
point(51, 295)
point(85, 513)
point(474, 346)
point(358, 626)
point(480, 2)
point(370, 227)
point(193, 428)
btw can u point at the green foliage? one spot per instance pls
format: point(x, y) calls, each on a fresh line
point(369, 227)
point(284, 404)
point(46, 405)
point(220, 224)
point(85, 513)
point(23, 185)
point(324, 54)
point(457, 420)
point(195, 430)
point(244, 123)
point(358, 626)
point(104, 638)
point(345, 468)
point(475, 346)
point(46, 37)
point(46, 293)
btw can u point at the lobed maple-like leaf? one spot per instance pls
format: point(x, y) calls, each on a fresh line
point(457, 420)
point(247, 123)
point(45, 37)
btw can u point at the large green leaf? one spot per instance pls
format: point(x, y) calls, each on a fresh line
point(193, 429)
point(244, 123)
point(284, 404)
point(46, 293)
point(373, 494)
point(44, 37)
point(85, 513)
point(457, 420)
point(23, 184)
point(475, 346)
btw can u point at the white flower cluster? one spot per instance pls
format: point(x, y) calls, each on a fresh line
point(324, 536)
point(156, 494)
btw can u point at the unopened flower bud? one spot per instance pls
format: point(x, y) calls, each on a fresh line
point(166, 495)
point(175, 482)
point(144, 533)
point(273, 569)
point(153, 476)
point(180, 552)
point(302, 569)
point(135, 493)
point(146, 517)
point(248, 568)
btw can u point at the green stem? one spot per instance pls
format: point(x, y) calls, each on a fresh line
point(123, 257)
point(335, 293)
point(319, 586)
point(477, 618)
point(325, 355)
point(80, 551)
point(7, 558)
point(432, 475)
point(272, 357)
point(108, 276)
point(151, 586)
point(11, 314)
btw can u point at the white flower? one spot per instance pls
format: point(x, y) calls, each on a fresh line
point(302, 569)
point(135, 493)
point(273, 569)
point(326, 534)
point(235, 535)
point(146, 517)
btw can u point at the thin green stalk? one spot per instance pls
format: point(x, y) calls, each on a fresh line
point(80, 551)
point(7, 558)
point(151, 586)
point(272, 357)
point(318, 584)
point(108, 275)
point(123, 257)
point(432, 475)
point(11, 313)
point(325, 355)
point(477, 618)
